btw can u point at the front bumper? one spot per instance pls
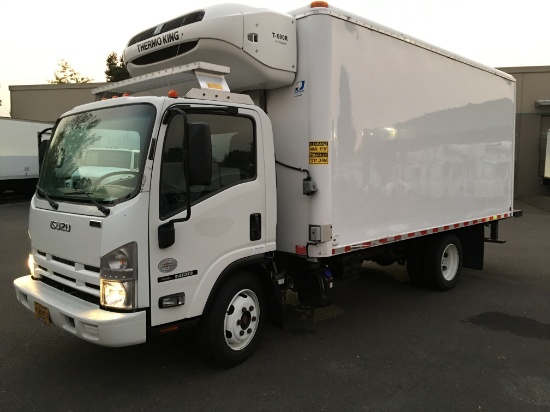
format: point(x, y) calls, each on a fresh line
point(82, 319)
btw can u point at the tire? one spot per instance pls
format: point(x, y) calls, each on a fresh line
point(232, 326)
point(443, 262)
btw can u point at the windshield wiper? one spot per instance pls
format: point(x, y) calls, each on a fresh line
point(106, 211)
point(43, 193)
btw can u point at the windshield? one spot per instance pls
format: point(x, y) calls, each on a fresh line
point(98, 154)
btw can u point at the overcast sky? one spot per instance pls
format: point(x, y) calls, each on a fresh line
point(36, 34)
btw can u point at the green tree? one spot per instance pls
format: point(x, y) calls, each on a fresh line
point(116, 70)
point(66, 74)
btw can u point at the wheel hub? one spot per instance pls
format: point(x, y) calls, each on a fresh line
point(241, 319)
point(245, 319)
point(449, 262)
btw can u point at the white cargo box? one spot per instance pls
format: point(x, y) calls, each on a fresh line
point(19, 148)
point(401, 138)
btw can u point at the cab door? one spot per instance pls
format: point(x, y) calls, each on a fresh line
point(227, 216)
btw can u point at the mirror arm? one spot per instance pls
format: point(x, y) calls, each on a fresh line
point(185, 165)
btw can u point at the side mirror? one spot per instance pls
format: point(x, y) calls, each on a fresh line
point(200, 154)
point(197, 147)
point(167, 235)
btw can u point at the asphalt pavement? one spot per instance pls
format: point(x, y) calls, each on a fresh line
point(385, 345)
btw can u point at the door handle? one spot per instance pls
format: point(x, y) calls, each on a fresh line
point(255, 226)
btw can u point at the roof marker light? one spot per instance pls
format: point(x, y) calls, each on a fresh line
point(126, 95)
point(173, 94)
point(319, 4)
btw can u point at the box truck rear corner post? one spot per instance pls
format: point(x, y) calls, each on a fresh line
point(305, 144)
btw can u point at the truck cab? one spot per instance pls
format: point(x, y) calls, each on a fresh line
point(99, 220)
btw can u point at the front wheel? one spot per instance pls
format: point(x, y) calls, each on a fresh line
point(231, 327)
point(444, 261)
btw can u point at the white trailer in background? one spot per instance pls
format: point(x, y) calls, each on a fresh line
point(19, 154)
point(362, 144)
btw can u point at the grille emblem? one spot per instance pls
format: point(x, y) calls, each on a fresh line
point(62, 226)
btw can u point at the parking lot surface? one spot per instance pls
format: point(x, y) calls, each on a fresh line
point(384, 345)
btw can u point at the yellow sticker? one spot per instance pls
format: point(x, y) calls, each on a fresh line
point(318, 153)
point(216, 86)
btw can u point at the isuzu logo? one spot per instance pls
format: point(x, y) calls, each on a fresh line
point(64, 227)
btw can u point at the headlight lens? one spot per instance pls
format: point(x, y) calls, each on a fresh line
point(119, 278)
point(32, 265)
point(115, 294)
point(118, 261)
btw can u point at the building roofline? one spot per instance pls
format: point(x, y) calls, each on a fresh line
point(525, 69)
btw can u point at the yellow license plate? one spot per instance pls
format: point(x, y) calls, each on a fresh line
point(42, 312)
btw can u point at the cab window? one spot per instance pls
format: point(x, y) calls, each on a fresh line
point(233, 160)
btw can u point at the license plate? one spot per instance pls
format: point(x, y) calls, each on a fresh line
point(42, 312)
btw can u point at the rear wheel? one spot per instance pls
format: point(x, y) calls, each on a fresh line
point(231, 328)
point(443, 261)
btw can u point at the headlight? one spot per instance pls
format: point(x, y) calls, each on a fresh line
point(32, 265)
point(119, 278)
point(116, 295)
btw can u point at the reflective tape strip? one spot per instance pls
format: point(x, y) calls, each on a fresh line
point(411, 235)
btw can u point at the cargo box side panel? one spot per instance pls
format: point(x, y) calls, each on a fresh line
point(19, 148)
point(415, 139)
point(18, 167)
point(420, 140)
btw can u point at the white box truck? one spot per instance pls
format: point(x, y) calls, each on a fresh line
point(19, 153)
point(349, 142)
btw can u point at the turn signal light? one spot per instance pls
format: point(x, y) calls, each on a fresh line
point(170, 301)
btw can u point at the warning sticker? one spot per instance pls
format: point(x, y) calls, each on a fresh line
point(216, 86)
point(318, 153)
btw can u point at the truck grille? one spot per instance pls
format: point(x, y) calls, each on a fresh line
point(169, 25)
point(49, 271)
point(71, 291)
point(68, 262)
